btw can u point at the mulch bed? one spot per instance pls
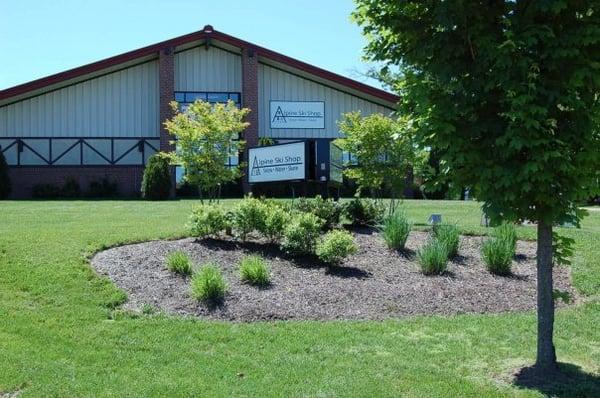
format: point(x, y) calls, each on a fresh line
point(376, 283)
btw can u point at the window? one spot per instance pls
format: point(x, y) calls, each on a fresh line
point(185, 98)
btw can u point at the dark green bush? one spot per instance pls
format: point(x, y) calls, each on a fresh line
point(300, 235)
point(46, 191)
point(365, 212)
point(157, 184)
point(71, 188)
point(103, 188)
point(179, 262)
point(497, 255)
point(206, 220)
point(433, 257)
point(254, 271)
point(326, 209)
point(395, 230)
point(449, 235)
point(335, 246)
point(208, 284)
point(5, 186)
point(249, 215)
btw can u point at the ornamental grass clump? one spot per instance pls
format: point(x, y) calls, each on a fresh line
point(433, 257)
point(255, 271)
point(497, 255)
point(335, 246)
point(449, 235)
point(506, 232)
point(208, 284)
point(179, 262)
point(395, 230)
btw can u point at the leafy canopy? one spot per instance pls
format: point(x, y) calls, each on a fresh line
point(507, 91)
point(384, 148)
point(206, 135)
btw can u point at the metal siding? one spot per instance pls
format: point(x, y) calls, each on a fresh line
point(214, 70)
point(120, 104)
point(277, 85)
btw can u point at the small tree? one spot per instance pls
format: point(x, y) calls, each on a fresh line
point(206, 136)
point(384, 148)
point(5, 186)
point(508, 93)
point(157, 184)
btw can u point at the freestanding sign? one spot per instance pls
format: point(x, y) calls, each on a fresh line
point(282, 162)
point(297, 114)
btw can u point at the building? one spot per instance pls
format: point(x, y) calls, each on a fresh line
point(105, 119)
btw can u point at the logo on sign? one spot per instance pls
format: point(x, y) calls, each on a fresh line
point(279, 116)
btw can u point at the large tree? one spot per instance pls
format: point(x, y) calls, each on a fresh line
point(508, 92)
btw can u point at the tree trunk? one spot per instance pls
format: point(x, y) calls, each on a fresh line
point(546, 355)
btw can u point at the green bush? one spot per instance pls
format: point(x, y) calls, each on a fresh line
point(206, 220)
point(449, 235)
point(300, 235)
point(46, 191)
point(365, 212)
point(507, 233)
point(433, 257)
point(179, 262)
point(5, 186)
point(71, 188)
point(249, 215)
point(497, 255)
point(326, 209)
point(156, 183)
point(208, 284)
point(254, 271)
point(395, 230)
point(103, 188)
point(335, 246)
point(275, 221)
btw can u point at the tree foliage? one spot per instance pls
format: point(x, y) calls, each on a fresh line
point(156, 183)
point(508, 93)
point(206, 135)
point(384, 148)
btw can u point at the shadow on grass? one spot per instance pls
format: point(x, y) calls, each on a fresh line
point(571, 381)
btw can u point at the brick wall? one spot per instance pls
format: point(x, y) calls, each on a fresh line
point(166, 87)
point(23, 179)
point(250, 100)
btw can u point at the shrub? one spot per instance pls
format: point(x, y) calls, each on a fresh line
point(433, 257)
point(497, 255)
point(45, 191)
point(71, 188)
point(275, 222)
point(103, 188)
point(208, 284)
point(206, 220)
point(179, 262)
point(326, 209)
point(254, 270)
point(300, 235)
point(507, 233)
point(5, 186)
point(335, 246)
point(395, 230)
point(364, 211)
point(449, 235)
point(249, 215)
point(156, 183)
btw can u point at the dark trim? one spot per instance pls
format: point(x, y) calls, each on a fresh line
point(206, 33)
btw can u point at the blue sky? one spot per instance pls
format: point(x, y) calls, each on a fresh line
point(39, 38)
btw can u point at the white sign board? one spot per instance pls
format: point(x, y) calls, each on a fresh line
point(277, 162)
point(297, 114)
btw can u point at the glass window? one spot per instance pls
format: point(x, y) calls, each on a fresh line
point(217, 97)
point(180, 97)
point(191, 97)
point(235, 97)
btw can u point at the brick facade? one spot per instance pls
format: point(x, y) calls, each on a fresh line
point(250, 100)
point(23, 179)
point(166, 88)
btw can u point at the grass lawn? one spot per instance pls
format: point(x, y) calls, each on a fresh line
point(60, 334)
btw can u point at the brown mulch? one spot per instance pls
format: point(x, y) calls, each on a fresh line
point(376, 283)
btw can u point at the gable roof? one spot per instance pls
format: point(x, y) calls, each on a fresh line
point(206, 34)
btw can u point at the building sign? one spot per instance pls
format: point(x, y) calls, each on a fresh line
point(283, 162)
point(297, 114)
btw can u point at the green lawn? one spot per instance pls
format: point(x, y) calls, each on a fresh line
point(60, 334)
